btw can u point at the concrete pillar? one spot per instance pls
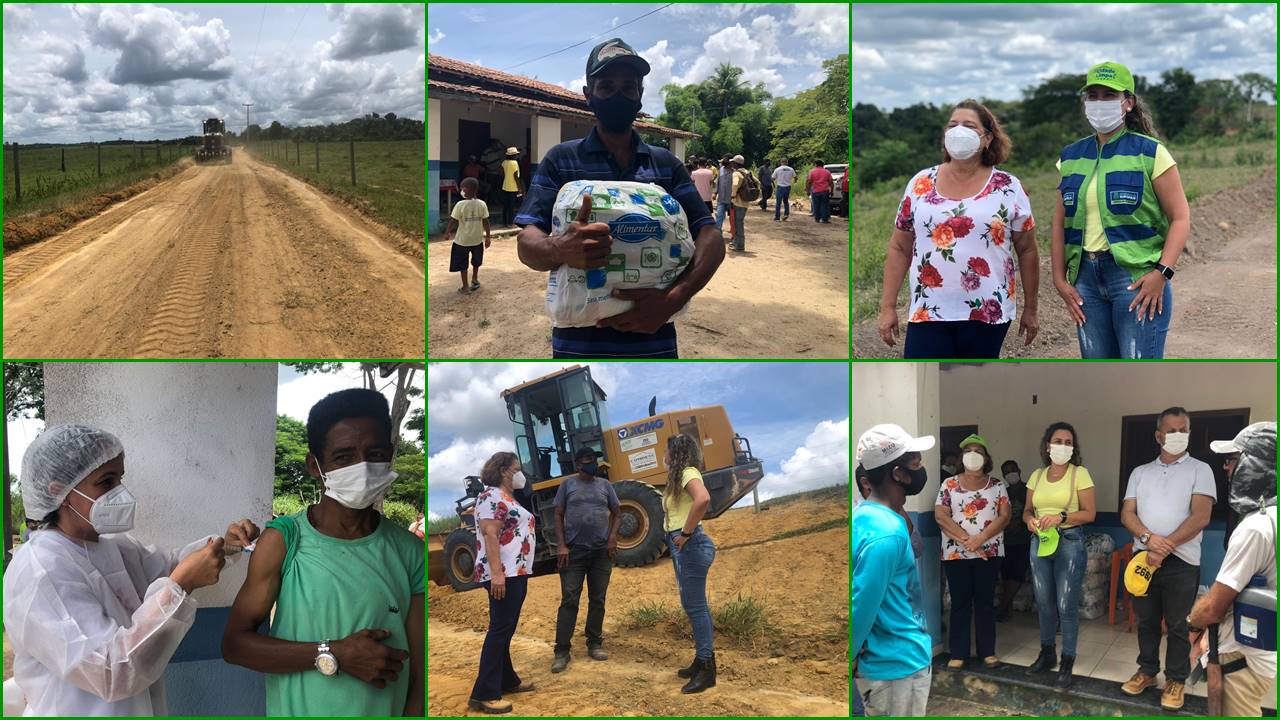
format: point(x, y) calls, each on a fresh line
point(199, 443)
point(546, 135)
point(433, 163)
point(907, 394)
point(677, 148)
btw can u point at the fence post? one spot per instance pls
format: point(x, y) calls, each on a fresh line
point(141, 159)
point(351, 149)
point(157, 152)
point(64, 160)
point(17, 176)
point(99, 159)
point(317, 156)
point(297, 152)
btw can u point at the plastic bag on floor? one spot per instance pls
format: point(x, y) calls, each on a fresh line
point(651, 247)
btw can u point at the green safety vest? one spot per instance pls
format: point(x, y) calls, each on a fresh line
point(1132, 219)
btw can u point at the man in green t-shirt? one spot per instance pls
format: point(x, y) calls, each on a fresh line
point(347, 635)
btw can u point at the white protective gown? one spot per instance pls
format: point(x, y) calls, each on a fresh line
point(93, 625)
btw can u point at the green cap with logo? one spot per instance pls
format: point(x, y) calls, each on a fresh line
point(975, 439)
point(1048, 544)
point(1109, 74)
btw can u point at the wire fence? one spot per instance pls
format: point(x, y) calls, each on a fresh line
point(39, 172)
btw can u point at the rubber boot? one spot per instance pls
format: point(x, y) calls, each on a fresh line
point(704, 676)
point(1064, 671)
point(689, 671)
point(1046, 661)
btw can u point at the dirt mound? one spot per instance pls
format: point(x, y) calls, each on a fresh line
point(1232, 241)
point(798, 665)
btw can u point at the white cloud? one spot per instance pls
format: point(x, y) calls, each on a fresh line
point(157, 45)
point(435, 37)
point(447, 469)
point(17, 18)
point(866, 57)
point(373, 29)
point(826, 23)
point(822, 460)
point(735, 45)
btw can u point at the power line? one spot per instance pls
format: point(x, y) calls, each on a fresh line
point(593, 37)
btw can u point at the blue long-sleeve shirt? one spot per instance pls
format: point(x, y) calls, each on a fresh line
point(887, 615)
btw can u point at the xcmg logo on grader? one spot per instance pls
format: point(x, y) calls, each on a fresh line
point(639, 429)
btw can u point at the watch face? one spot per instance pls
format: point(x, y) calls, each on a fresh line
point(327, 664)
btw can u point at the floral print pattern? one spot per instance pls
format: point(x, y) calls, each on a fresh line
point(962, 264)
point(973, 511)
point(517, 537)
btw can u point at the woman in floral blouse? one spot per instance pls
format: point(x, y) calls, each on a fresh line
point(956, 233)
point(972, 511)
point(505, 542)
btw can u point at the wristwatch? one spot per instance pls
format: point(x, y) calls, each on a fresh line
point(326, 661)
point(685, 534)
point(1165, 270)
point(1144, 538)
point(1192, 628)
point(1063, 515)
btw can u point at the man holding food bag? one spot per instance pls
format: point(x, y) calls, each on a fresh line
point(618, 224)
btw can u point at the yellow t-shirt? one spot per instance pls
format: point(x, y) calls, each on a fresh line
point(678, 513)
point(1095, 238)
point(510, 171)
point(1051, 496)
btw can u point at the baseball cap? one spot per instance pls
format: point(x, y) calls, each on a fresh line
point(1109, 74)
point(1242, 438)
point(739, 159)
point(1048, 542)
point(975, 438)
point(883, 444)
point(1138, 574)
point(611, 51)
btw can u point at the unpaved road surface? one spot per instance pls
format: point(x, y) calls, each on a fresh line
point(786, 297)
point(236, 260)
point(799, 668)
point(1224, 293)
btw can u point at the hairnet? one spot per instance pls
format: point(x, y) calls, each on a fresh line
point(57, 460)
point(1253, 484)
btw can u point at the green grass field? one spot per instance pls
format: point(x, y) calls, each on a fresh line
point(46, 187)
point(390, 175)
point(1205, 168)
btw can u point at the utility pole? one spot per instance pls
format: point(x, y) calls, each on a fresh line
point(246, 123)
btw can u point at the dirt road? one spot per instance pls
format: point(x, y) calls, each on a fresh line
point(787, 296)
point(236, 260)
point(799, 667)
point(1224, 293)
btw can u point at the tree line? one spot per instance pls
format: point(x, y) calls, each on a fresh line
point(898, 143)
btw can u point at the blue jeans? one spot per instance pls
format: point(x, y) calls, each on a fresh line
point(1058, 580)
point(722, 209)
point(822, 206)
point(692, 565)
point(783, 196)
point(1111, 330)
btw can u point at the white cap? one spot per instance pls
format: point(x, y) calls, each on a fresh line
point(738, 159)
point(883, 444)
point(1237, 444)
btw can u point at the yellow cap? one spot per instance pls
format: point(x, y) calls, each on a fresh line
point(1138, 574)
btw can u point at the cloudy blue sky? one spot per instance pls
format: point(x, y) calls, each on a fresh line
point(780, 45)
point(72, 72)
point(796, 415)
point(904, 54)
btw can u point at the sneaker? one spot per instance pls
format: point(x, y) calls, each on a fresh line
point(1139, 682)
point(955, 664)
point(1172, 697)
point(560, 663)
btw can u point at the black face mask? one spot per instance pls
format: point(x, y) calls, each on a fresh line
point(918, 477)
point(590, 468)
point(616, 112)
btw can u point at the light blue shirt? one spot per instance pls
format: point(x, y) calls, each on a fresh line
point(887, 615)
point(1162, 494)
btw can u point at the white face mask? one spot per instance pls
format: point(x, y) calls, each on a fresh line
point(1060, 454)
point(517, 480)
point(972, 460)
point(1013, 477)
point(357, 486)
point(1175, 443)
point(961, 142)
point(112, 512)
point(1104, 115)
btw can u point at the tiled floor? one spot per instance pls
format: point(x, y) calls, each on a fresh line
point(1103, 651)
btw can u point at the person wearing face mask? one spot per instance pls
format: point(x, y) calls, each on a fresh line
point(613, 150)
point(1120, 224)
point(950, 463)
point(1245, 659)
point(889, 630)
point(1167, 504)
point(1060, 501)
point(972, 510)
point(956, 234)
point(587, 519)
point(92, 614)
point(347, 585)
point(1017, 540)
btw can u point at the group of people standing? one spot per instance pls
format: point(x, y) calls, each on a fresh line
point(1120, 223)
point(719, 187)
point(994, 527)
point(586, 532)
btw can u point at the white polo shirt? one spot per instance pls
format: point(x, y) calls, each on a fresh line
point(1163, 494)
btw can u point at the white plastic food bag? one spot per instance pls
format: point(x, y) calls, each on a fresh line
point(651, 247)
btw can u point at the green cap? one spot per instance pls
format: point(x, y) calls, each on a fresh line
point(975, 438)
point(1048, 542)
point(1109, 74)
